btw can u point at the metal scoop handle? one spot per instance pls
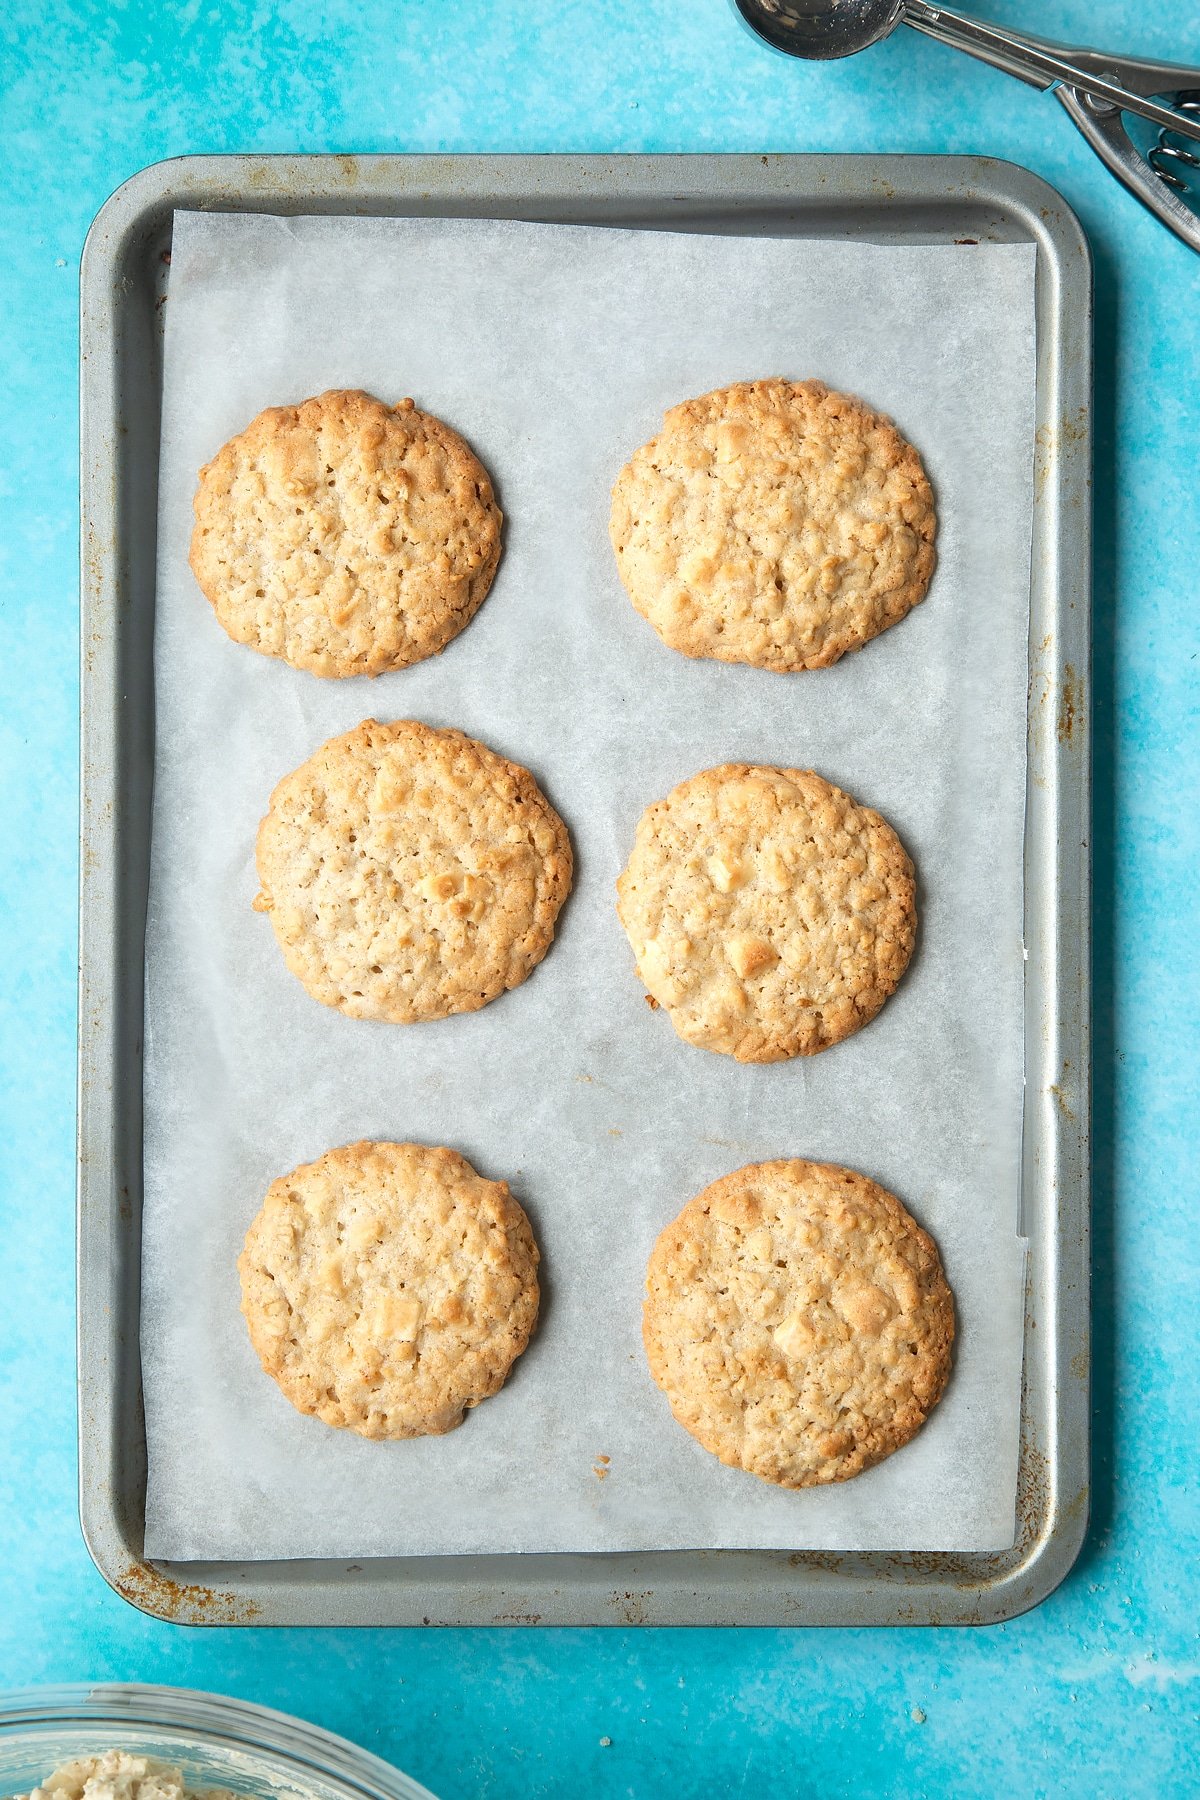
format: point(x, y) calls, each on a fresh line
point(1146, 176)
point(1041, 64)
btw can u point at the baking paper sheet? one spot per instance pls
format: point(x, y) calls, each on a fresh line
point(555, 351)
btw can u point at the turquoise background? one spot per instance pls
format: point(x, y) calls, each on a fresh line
point(1097, 1692)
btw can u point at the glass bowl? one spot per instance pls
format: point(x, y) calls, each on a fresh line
point(216, 1742)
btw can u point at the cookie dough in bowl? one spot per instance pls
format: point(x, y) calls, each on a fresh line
point(118, 1775)
point(135, 1741)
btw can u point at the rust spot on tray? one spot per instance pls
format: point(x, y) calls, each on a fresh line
point(831, 1560)
point(185, 1603)
point(1057, 1089)
point(1076, 1506)
point(1033, 1494)
point(98, 552)
point(1068, 705)
point(1051, 440)
point(1033, 1468)
point(1041, 680)
point(632, 1607)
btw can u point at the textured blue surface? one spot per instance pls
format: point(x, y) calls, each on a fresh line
point(1096, 1693)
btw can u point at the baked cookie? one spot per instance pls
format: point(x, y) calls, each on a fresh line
point(775, 523)
point(798, 1321)
point(388, 1287)
point(345, 536)
point(769, 913)
point(411, 873)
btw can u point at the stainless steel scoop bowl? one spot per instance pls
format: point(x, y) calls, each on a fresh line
point(1097, 90)
point(821, 29)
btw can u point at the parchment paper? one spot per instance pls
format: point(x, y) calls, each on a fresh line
point(555, 351)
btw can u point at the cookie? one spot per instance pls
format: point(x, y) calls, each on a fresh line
point(411, 873)
point(775, 523)
point(770, 914)
point(798, 1321)
point(388, 1287)
point(345, 536)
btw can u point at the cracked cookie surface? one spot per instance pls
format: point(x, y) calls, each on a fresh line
point(345, 536)
point(770, 914)
point(389, 1287)
point(410, 873)
point(799, 1322)
point(776, 523)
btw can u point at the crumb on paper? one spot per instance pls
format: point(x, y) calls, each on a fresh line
point(615, 1131)
point(651, 1002)
point(606, 1743)
point(600, 1468)
point(917, 1716)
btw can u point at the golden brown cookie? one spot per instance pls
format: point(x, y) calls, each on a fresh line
point(775, 523)
point(345, 536)
point(798, 1321)
point(770, 914)
point(388, 1287)
point(411, 873)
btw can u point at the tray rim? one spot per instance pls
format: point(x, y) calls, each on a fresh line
point(670, 1587)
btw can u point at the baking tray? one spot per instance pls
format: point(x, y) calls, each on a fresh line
point(901, 200)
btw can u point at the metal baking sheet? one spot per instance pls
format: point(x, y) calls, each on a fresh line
point(900, 200)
